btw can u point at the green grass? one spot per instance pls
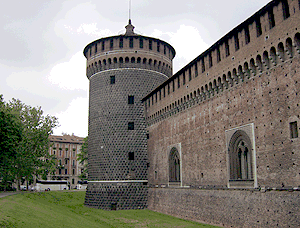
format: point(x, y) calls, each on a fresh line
point(66, 209)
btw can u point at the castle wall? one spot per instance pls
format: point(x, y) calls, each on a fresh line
point(233, 125)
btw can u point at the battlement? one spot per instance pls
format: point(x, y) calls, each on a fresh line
point(265, 40)
point(134, 51)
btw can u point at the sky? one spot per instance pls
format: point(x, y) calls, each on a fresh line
point(42, 42)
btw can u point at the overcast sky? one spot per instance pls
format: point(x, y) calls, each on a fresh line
point(41, 60)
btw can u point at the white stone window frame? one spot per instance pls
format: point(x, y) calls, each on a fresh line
point(169, 148)
point(249, 130)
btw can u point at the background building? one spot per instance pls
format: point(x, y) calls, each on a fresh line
point(66, 148)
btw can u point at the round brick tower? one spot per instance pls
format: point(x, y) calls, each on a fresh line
point(122, 70)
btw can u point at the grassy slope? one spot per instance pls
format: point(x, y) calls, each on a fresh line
point(66, 209)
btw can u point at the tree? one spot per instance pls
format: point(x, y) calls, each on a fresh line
point(10, 136)
point(31, 157)
point(83, 158)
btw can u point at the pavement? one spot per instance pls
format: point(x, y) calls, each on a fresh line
point(3, 194)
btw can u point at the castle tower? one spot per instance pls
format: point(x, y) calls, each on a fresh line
point(122, 70)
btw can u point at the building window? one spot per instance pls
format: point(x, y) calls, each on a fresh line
point(121, 42)
point(131, 156)
point(112, 79)
point(210, 60)
point(103, 45)
point(218, 54)
point(111, 45)
point(66, 162)
point(271, 18)
point(73, 171)
point(247, 35)
point(158, 47)
point(141, 43)
point(130, 99)
point(294, 130)
point(150, 44)
point(66, 171)
point(203, 65)
point(174, 166)
point(196, 70)
point(190, 74)
point(59, 171)
point(178, 82)
point(59, 161)
point(258, 26)
point(73, 162)
point(165, 50)
point(227, 51)
point(131, 42)
point(240, 157)
point(183, 78)
point(73, 181)
point(130, 125)
point(95, 48)
point(236, 42)
point(285, 9)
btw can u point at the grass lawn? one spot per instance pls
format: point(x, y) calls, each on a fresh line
point(66, 209)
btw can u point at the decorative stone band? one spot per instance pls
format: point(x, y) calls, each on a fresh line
point(120, 181)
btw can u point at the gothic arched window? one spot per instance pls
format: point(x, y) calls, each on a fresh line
point(174, 166)
point(240, 156)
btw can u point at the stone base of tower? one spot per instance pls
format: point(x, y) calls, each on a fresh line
point(117, 195)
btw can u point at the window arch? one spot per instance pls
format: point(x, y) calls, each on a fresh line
point(174, 166)
point(240, 156)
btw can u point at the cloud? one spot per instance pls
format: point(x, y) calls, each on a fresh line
point(92, 29)
point(70, 75)
point(187, 42)
point(74, 119)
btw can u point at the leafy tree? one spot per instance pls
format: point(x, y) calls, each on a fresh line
point(83, 158)
point(10, 136)
point(31, 157)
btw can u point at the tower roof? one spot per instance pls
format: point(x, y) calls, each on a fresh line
point(129, 29)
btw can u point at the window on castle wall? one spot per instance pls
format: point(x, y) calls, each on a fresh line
point(150, 44)
point(95, 48)
point(155, 175)
point(271, 18)
point(227, 52)
point(285, 9)
point(131, 42)
point(210, 62)
point(178, 82)
point(247, 35)
point(90, 51)
point(112, 79)
point(203, 65)
point(236, 42)
point(159, 94)
point(168, 88)
point(103, 45)
point(111, 45)
point(130, 125)
point(141, 43)
point(121, 42)
point(130, 99)
point(258, 26)
point(174, 165)
point(173, 85)
point(183, 78)
point(218, 54)
point(196, 70)
point(131, 156)
point(293, 130)
point(165, 50)
point(164, 92)
point(190, 74)
point(240, 157)
point(158, 47)
point(156, 97)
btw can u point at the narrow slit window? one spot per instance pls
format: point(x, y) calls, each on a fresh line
point(183, 79)
point(103, 45)
point(150, 44)
point(131, 126)
point(218, 54)
point(112, 79)
point(258, 27)
point(131, 156)
point(294, 130)
point(285, 9)
point(131, 42)
point(121, 42)
point(227, 52)
point(271, 18)
point(111, 44)
point(236, 42)
point(141, 43)
point(130, 99)
point(190, 74)
point(247, 35)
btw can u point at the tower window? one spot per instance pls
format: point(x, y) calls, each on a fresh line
point(150, 44)
point(210, 60)
point(294, 130)
point(95, 48)
point(271, 18)
point(258, 27)
point(183, 79)
point(112, 79)
point(218, 54)
point(236, 42)
point(158, 47)
point(130, 99)
point(131, 42)
point(196, 70)
point(111, 43)
point(203, 65)
point(190, 74)
point(164, 49)
point(121, 42)
point(285, 9)
point(103, 44)
point(131, 156)
point(141, 43)
point(247, 35)
point(130, 125)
